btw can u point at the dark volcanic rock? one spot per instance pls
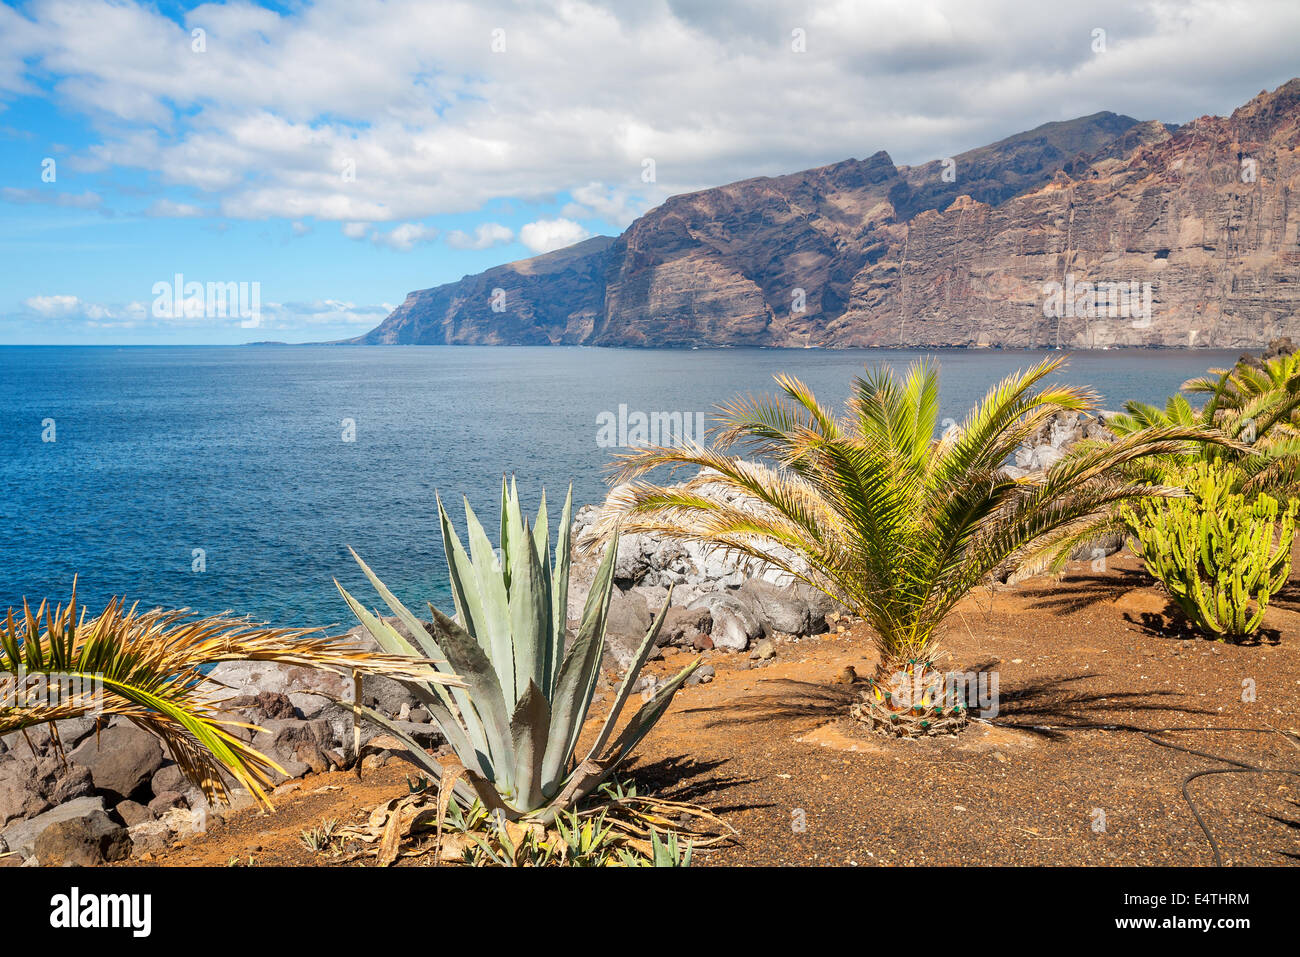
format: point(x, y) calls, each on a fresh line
point(121, 760)
point(83, 841)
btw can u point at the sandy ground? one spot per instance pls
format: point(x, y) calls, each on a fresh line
point(770, 748)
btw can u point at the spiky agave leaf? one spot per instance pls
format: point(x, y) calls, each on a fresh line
point(148, 666)
point(516, 725)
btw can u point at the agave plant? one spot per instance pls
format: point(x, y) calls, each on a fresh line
point(515, 728)
point(57, 663)
point(892, 520)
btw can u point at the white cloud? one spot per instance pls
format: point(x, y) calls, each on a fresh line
point(410, 94)
point(76, 309)
point(485, 236)
point(403, 238)
point(546, 234)
point(53, 306)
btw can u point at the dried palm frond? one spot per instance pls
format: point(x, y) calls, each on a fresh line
point(148, 666)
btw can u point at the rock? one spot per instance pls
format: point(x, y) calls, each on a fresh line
point(735, 623)
point(683, 625)
point(149, 837)
point(165, 802)
point(122, 759)
point(1282, 346)
point(702, 642)
point(132, 812)
point(297, 743)
point(792, 610)
point(250, 678)
point(168, 779)
point(29, 786)
point(82, 841)
point(386, 695)
point(625, 627)
point(309, 705)
point(271, 705)
point(21, 836)
point(764, 650)
point(71, 733)
point(630, 564)
point(701, 675)
point(426, 735)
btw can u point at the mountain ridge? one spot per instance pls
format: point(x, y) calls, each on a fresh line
point(956, 252)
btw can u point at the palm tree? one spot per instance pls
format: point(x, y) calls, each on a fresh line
point(872, 508)
point(149, 667)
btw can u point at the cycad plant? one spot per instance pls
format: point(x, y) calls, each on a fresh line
point(1220, 557)
point(515, 728)
point(1254, 411)
point(873, 507)
point(58, 663)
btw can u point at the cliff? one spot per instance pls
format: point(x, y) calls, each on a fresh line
point(1092, 232)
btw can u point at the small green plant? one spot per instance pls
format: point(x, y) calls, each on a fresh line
point(1220, 557)
point(320, 838)
point(574, 839)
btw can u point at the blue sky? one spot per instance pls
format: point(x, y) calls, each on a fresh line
point(341, 154)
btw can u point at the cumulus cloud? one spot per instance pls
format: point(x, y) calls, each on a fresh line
point(546, 234)
point(403, 238)
point(395, 112)
point(75, 309)
point(485, 236)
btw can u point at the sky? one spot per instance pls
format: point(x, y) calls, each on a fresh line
point(223, 173)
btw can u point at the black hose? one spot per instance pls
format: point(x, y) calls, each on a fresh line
point(1238, 767)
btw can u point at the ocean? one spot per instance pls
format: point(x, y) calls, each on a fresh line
point(234, 478)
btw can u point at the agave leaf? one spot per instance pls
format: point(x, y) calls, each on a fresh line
point(419, 634)
point(542, 546)
point(560, 589)
point(577, 677)
point(496, 602)
point(645, 718)
point(388, 637)
point(629, 679)
point(528, 729)
point(530, 610)
point(465, 589)
point(456, 699)
point(419, 757)
point(472, 663)
point(583, 780)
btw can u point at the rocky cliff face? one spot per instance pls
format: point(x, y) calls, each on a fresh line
point(1095, 232)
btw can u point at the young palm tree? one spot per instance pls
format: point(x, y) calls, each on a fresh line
point(873, 509)
point(148, 666)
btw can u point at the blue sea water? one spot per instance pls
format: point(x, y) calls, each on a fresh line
point(241, 452)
